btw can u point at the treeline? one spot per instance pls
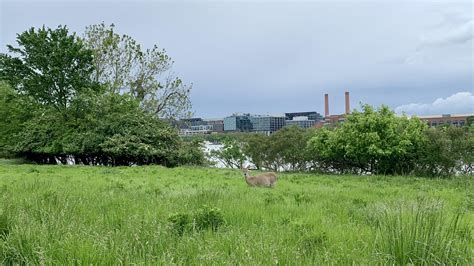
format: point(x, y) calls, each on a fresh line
point(372, 141)
point(98, 99)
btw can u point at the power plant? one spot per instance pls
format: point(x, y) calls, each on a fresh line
point(268, 124)
point(332, 119)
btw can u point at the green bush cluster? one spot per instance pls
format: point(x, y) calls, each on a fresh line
point(203, 219)
point(52, 109)
point(370, 141)
point(376, 141)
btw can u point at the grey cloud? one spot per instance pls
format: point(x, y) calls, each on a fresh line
point(460, 34)
point(282, 56)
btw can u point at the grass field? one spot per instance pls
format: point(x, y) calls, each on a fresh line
point(154, 215)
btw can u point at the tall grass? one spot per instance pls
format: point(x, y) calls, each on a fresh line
point(422, 233)
point(189, 215)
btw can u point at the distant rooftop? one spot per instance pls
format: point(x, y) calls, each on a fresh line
point(443, 115)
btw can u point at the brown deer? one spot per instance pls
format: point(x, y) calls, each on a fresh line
point(263, 180)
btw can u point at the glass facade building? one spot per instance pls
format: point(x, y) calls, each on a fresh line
point(301, 123)
point(267, 124)
point(239, 123)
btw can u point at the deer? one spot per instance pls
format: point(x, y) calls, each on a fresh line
point(263, 180)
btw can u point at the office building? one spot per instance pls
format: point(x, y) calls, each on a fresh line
point(267, 124)
point(238, 123)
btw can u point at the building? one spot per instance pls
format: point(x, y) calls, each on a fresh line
point(332, 120)
point(267, 124)
point(301, 121)
point(457, 120)
point(196, 130)
point(217, 125)
point(198, 126)
point(310, 115)
point(188, 122)
point(238, 123)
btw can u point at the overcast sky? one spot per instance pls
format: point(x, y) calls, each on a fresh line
point(274, 57)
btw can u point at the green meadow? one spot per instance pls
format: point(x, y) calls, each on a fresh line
point(186, 215)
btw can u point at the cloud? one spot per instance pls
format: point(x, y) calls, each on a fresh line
point(460, 34)
point(461, 102)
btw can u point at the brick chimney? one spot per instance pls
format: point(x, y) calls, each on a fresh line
point(326, 105)
point(348, 108)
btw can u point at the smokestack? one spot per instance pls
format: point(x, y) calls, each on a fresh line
point(326, 105)
point(348, 108)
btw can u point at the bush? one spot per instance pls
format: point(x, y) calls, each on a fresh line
point(102, 130)
point(448, 150)
point(371, 141)
point(313, 242)
point(209, 218)
point(179, 223)
point(231, 154)
point(189, 153)
point(203, 219)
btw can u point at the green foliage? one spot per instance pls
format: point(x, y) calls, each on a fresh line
point(209, 218)
point(123, 66)
point(53, 107)
point(421, 234)
point(5, 226)
point(312, 243)
point(204, 218)
point(373, 141)
point(231, 154)
point(111, 129)
point(13, 111)
point(51, 66)
point(111, 215)
point(289, 147)
point(189, 153)
point(448, 150)
point(257, 148)
point(179, 222)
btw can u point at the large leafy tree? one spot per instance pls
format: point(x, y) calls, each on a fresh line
point(374, 141)
point(124, 67)
point(50, 66)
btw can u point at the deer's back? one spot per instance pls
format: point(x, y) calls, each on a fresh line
point(266, 179)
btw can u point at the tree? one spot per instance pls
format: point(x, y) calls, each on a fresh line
point(448, 150)
point(372, 141)
point(289, 146)
point(231, 153)
point(50, 66)
point(122, 65)
point(256, 148)
point(14, 110)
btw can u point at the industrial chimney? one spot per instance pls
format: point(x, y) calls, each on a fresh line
point(348, 108)
point(326, 105)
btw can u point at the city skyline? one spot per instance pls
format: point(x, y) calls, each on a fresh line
point(277, 57)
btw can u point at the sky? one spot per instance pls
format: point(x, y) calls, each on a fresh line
point(272, 57)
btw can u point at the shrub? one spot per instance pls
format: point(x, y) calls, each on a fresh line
point(372, 141)
point(231, 154)
point(179, 223)
point(208, 218)
point(5, 225)
point(312, 242)
point(448, 150)
point(189, 153)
